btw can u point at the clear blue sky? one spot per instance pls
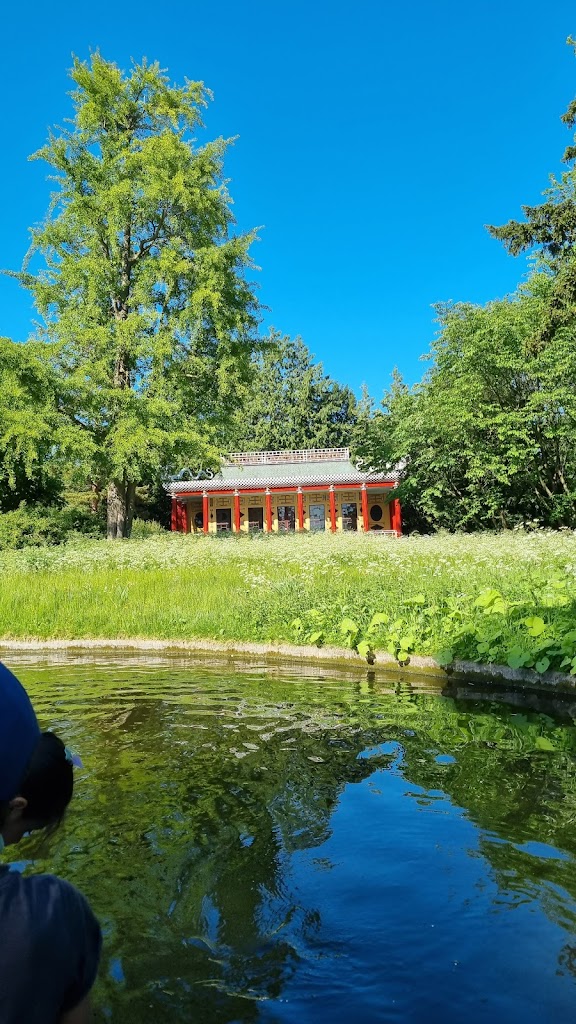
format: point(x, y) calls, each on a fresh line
point(376, 139)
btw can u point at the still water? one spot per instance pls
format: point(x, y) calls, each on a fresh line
point(272, 849)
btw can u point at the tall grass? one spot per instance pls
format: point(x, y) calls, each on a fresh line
point(183, 587)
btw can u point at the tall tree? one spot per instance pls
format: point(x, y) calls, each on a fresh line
point(149, 318)
point(292, 403)
point(488, 438)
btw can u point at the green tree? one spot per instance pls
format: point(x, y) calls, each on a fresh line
point(292, 403)
point(488, 438)
point(149, 319)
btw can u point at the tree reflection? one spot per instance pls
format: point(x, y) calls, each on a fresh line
point(199, 791)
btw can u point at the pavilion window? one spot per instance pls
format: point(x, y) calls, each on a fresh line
point(376, 514)
point(349, 515)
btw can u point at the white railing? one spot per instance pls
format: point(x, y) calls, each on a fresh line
point(280, 458)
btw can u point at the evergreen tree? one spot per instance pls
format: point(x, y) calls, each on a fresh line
point(292, 403)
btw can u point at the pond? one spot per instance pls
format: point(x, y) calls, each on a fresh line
point(275, 849)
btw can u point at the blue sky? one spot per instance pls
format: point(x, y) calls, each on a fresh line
point(376, 139)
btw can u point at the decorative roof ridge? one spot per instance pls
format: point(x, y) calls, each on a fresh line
point(352, 479)
point(280, 457)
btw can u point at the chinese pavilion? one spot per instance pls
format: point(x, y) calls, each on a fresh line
point(315, 489)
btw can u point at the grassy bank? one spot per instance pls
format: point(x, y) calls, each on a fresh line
point(506, 598)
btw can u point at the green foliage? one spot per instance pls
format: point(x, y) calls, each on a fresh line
point(349, 630)
point(310, 628)
point(461, 627)
point(148, 317)
point(35, 526)
point(152, 502)
point(36, 442)
point(291, 403)
point(467, 630)
point(143, 528)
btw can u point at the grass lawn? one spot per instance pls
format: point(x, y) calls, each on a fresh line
point(507, 597)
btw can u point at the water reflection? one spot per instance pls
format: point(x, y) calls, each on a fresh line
point(268, 849)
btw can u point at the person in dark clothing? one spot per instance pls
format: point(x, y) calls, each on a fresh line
point(49, 938)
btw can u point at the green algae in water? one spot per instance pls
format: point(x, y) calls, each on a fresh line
point(278, 850)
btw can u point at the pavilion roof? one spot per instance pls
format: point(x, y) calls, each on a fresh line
point(243, 470)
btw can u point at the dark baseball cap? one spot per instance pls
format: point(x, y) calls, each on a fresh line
point(19, 733)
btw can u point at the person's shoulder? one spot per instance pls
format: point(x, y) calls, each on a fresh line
point(50, 933)
point(57, 893)
point(48, 886)
point(52, 883)
point(52, 901)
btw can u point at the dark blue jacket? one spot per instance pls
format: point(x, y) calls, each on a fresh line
point(49, 948)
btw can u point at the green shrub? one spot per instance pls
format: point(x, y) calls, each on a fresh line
point(35, 525)
point(143, 528)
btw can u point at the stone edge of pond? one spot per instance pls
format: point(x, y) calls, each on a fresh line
point(385, 664)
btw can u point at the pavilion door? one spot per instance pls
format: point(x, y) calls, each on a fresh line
point(317, 517)
point(223, 519)
point(256, 519)
point(286, 518)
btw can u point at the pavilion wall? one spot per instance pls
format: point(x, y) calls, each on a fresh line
point(382, 512)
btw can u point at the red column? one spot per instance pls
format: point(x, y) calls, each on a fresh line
point(182, 517)
point(205, 512)
point(332, 510)
point(236, 511)
point(396, 517)
point(365, 509)
point(268, 512)
point(174, 515)
point(300, 509)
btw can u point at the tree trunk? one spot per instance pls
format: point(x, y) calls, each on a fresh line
point(94, 497)
point(121, 495)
